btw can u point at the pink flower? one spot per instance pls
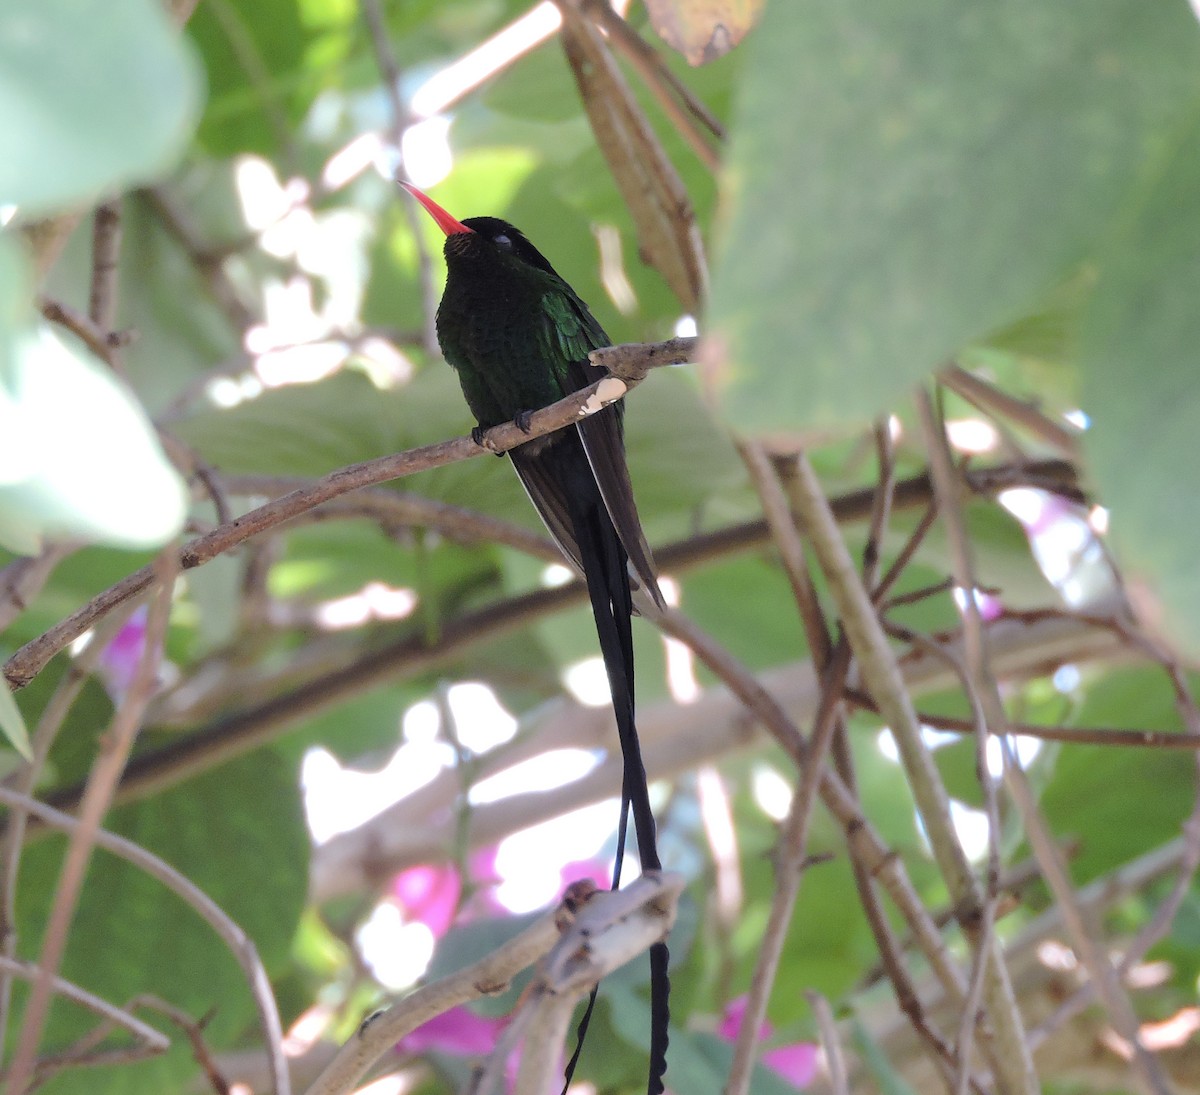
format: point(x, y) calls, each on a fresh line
point(118, 662)
point(428, 895)
point(585, 870)
point(458, 1032)
point(796, 1063)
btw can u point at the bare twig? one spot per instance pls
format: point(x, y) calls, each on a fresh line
point(152, 1040)
point(601, 942)
point(239, 943)
point(991, 400)
point(401, 119)
point(22, 580)
point(830, 1042)
point(53, 716)
point(676, 99)
point(106, 247)
point(984, 690)
point(668, 236)
point(102, 783)
point(881, 674)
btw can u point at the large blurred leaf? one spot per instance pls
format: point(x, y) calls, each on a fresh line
point(1139, 346)
point(93, 97)
point(907, 178)
point(78, 458)
point(1120, 803)
point(12, 723)
point(254, 54)
point(238, 833)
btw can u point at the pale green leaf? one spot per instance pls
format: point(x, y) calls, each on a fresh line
point(12, 723)
point(907, 178)
point(1139, 355)
point(78, 459)
point(93, 98)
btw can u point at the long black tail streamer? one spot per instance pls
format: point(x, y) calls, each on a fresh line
point(604, 565)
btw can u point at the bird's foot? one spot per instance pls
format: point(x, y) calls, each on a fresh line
point(523, 421)
point(479, 436)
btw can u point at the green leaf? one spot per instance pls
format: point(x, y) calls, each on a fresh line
point(907, 178)
point(78, 457)
point(1139, 339)
point(93, 98)
point(238, 833)
point(12, 723)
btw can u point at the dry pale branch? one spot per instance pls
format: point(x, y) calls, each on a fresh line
point(612, 929)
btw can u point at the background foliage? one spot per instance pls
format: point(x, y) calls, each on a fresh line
point(1007, 189)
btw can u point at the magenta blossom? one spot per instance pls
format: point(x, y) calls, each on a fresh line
point(428, 895)
point(585, 870)
point(118, 662)
point(796, 1063)
point(458, 1032)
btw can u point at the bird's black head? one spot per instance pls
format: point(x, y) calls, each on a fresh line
point(502, 237)
point(483, 241)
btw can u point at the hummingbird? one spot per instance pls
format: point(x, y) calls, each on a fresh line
point(518, 337)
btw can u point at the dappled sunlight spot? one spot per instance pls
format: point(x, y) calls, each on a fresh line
point(300, 364)
point(264, 199)
point(541, 773)
point(681, 662)
point(480, 720)
point(971, 828)
point(587, 681)
point(397, 953)
point(307, 1030)
point(350, 161)
point(338, 799)
point(1064, 543)
point(1098, 520)
point(447, 85)
point(1067, 679)
point(771, 791)
point(886, 744)
point(385, 365)
point(987, 605)
point(556, 574)
point(972, 435)
point(375, 601)
point(422, 722)
point(685, 327)
point(531, 861)
point(612, 268)
point(229, 391)
point(1026, 749)
point(425, 151)
point(1078, 419)
point(396, 1084)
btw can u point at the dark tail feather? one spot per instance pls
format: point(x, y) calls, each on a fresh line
point(604, 566)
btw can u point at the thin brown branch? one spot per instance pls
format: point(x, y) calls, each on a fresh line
point(49, 724)
point(32, 657)
point(152, 1041)
point(984, 689)
point(401, 119)
point(881, 673)
point(398, 509)
point(91, 334)
point(106, 249)
point(105, 775)
point(208, 263)
point(22, 580)
point(240, 944)
point(681, 107)
point(658, 202)
point(992, 401)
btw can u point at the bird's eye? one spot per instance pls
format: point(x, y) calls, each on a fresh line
point(502, 241)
